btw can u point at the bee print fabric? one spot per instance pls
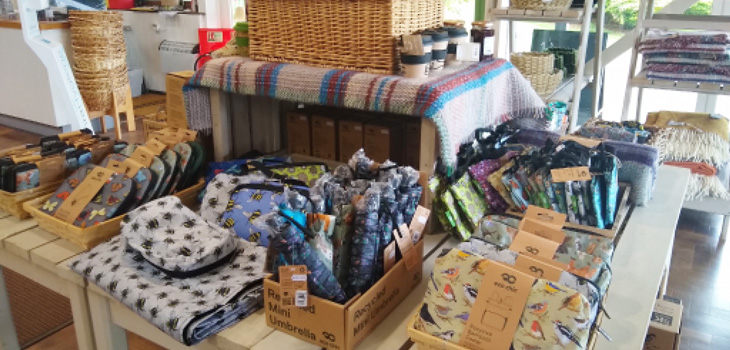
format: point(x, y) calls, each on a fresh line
point(176, 240)
point(554, 317)
point(187, 309)
point(218, 192)
point(114, 196)
point(248, 202)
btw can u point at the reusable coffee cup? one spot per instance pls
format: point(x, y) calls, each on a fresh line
point(457, 36)
point(416, 66)
point(440, 43)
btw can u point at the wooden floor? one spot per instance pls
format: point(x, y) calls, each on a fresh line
point(700, 276)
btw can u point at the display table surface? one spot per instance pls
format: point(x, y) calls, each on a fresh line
point(111, 318)
point(42, 257)
point(641, 262)
point(640, 266)
point(458, 100)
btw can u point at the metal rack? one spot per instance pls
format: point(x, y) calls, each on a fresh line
point(569, 90)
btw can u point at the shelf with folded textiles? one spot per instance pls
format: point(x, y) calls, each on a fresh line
point(572, 15)
point(641, 80)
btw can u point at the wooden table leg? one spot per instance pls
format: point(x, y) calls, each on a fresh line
point(82, 317)
point(221, 122)
point(8, 337)
point(108, 336)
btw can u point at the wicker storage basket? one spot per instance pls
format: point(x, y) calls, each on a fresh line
point(545, 84)
point(12, 202)
point(358, 35)
point(529, 63)
point(540, 4)
point(100, 66)
point(90, 237)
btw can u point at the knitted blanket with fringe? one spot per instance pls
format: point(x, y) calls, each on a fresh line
point(688, 145)
point(459, 100)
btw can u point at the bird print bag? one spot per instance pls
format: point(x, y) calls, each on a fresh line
point(555, 316)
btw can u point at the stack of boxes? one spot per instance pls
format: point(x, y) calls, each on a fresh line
point(336, 134)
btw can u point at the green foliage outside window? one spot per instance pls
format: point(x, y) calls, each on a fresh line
point(622, 14)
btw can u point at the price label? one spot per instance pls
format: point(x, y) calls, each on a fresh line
point(533, 245)
point(579, 173)
point(293, 280)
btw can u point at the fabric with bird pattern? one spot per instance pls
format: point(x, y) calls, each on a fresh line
point(555, 316)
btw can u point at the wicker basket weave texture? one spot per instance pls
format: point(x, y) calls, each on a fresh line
point(100, 66)
point(358, 35)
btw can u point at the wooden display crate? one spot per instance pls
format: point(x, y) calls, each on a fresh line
point(12, 202)
point(90, 237)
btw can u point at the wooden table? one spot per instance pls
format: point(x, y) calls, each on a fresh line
point(42, 257)
point(111, 319)
point(641, 262)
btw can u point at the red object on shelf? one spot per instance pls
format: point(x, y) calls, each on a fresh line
point(212, 39)
point(120, 4)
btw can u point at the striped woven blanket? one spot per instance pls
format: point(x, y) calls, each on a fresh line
point(459, 100)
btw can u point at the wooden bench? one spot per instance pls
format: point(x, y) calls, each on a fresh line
point(42, 257)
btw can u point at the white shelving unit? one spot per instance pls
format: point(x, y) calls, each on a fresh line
point(569, 90)
point(646, 20)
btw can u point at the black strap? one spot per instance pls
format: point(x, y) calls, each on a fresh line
point(192, 273)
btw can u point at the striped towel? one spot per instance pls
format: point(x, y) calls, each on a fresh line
point(459, 100)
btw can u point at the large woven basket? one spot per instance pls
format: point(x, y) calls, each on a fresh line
point(530, 63)
point(545, 84)
point(358, 35)
point(100, 66)
point(540, 4)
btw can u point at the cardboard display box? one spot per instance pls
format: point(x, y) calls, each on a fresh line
point(413, 143)
point(341, 327)
point(299, 137)
point(350, 138)
point(384, 140)
point(324, 137)
point(175, 106)
point(665, 327)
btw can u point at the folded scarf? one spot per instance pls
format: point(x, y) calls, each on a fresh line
point(696, 168)
point(686, 145)
point(689, 69)
point(695, 48)
point(712, 56)
point(677, 40)
point(693, 77)
point(187, 309)
point(703, 121)
point(663, 58)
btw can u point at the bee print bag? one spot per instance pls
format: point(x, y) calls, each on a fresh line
point(189, 309)
point(250, 201)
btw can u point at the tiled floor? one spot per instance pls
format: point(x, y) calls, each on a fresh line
point(700, 276)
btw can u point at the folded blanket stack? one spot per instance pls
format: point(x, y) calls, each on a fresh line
point(697, 141)
point(698, 56)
